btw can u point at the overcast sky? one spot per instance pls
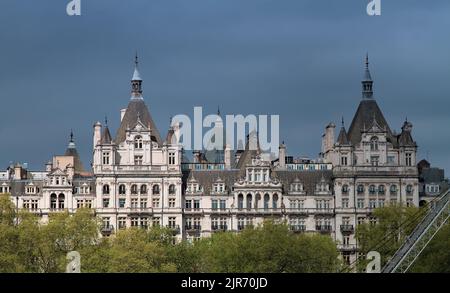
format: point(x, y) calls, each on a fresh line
point(301, 59)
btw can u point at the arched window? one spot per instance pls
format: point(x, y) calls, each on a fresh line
point(409, 189)
point(138, 142)
point(374, 143)
point(275, 201)
point(61, 198)
point(372, 189)
point(266, 201)
point(134, 189)
point(381, 189)
point(393, 189)
point(156, 189)
point(143, 189)
point(360, 189)
point(53, 201)
point(106, 189)
point(249, 201)
point(171, 189)
point(240, 201)
point(345, 189)
point(122, 189)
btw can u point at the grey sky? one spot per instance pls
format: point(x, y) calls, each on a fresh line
point(300, 59)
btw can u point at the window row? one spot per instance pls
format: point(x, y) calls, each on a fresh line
point(380, 189)
point(142, 189)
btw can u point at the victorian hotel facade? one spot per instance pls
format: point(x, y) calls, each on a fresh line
point(139, 178)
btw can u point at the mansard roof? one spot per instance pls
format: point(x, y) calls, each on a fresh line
point(367, 112)
point(137, 108)
point(206, 178)
point(309, 179)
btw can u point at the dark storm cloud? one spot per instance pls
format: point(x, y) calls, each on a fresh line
point(299, 59)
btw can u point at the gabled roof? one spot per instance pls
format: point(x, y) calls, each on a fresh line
point(137, 108)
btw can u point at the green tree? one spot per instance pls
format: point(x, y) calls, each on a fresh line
point(394, 224)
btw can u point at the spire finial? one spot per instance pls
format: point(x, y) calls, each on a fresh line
point(71, 135)
point(218, 110)
point(136, 62)
point(342, 121)
point(367, 83)
point(106, 120)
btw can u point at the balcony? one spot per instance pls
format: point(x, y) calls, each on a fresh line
point(139, 210)
point(193, 228)
point(297, 211)
point(107, 230)
point(219, 228)
point(347, 229)
point(324, 228)
point(297, 228)
point(324, 211)
point(193, 211)
point(347, 247)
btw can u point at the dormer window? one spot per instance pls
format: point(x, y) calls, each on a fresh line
point(219, 187)
point(374, 143)
point(296, 187)
point(138, 142)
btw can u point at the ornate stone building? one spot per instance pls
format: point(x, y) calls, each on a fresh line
point(140, 179)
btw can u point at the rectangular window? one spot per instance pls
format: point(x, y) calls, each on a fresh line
point(106, 202)
point(106, 158)
point(144, 222)
point(143, 203)
point(171, 158)
point(134, 203)
point(345, 203)
point(138, 160)
point(344, 161)
point(172, 221)
point(134, 222)
point(374, 160)
point(360, 204)
point(171, 202)
point(391, 160)
point(122, 202)
point(408, 157)
point(214, 204)
point(155, 202)
point(122, 222)
point(196, 204)
point(188, 204)
point(223, 204)
point(156, 221)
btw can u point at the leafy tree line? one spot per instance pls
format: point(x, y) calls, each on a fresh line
point(28, 246)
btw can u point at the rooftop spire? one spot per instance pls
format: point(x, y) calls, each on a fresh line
point(71, 141)
point(367, 83)
point(71, 135)
point(136, 81)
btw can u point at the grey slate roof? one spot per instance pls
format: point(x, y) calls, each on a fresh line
point(343, 138)
point(206, 178)
point(106, 136)
point(309, 179)
point(137, 107)
point(367, 111)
